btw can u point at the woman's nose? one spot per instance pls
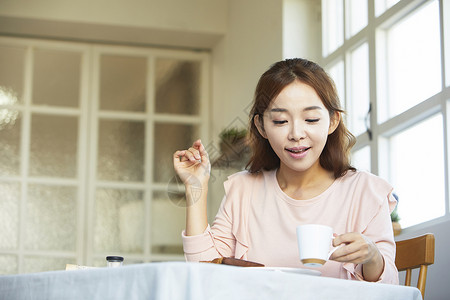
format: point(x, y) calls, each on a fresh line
point(296, 132)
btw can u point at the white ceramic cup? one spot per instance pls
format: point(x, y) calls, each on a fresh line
point(314, 244)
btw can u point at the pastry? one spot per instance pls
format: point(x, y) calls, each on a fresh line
point(234, 262)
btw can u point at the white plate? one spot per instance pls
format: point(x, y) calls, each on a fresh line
point(289, 270)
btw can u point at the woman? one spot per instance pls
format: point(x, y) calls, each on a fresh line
point(299, 173)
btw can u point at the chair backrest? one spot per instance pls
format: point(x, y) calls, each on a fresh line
point(415, 253)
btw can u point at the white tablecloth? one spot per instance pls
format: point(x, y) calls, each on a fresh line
point(193, 281)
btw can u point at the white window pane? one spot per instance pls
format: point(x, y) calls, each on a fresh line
point(413, 60)
point(56, 78)
point(123, 83)
point(8, 264)
point(167, 241)
point(51, 219)
point(9, 217)
point(12, 60)
point(361, 159)
point(417, 172)
point(177, 86)
point(358, 97)
point(446, 12)
point(382, 5)
point(337, 74)
point(332, 25)
point(356, 16)
point(170, 137)
point(53, 146)
point(119, 221)
point(121, 150)
point(10, 137)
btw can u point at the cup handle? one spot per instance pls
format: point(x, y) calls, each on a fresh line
point(334, 248)
point(332, 251)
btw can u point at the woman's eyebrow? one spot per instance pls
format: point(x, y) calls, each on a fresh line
point(312, 108)
point(278, 109)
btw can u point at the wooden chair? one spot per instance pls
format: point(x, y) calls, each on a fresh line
point(415, 253)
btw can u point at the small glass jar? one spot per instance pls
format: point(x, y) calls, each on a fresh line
point(114, 261)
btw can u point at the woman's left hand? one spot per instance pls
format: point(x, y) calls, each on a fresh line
point(357, 248)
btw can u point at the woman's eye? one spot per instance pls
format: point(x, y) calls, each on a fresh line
point(279, 122)
point(312, 120)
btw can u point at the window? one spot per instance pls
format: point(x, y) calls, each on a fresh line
point(361, 159)
point(358, 87)
point(391, 79)
point(356, 15)
point(82, 176)
point(422, 193)
point(333, 20)
point(337, 73)
point(382, 5)
point(412, 47)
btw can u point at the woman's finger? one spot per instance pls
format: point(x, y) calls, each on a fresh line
point(194, 154)
point(203, 153)
point(178, 156)
point(356, 248)
point(199, 151)
point(345, 238)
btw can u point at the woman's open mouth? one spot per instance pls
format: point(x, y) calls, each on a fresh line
point(297, 152)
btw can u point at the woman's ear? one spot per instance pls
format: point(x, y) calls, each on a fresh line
point(334, 122)
point(257, 120)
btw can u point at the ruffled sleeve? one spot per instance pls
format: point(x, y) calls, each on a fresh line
point(227, 236)
point(376, 205)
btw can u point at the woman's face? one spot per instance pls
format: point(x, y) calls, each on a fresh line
point(297, 126)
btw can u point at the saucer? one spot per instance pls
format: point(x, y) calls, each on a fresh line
point(289, 270)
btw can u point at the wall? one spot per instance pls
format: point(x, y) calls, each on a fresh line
point(194, 15)
point(252, 43)
point(196, 23)
point(302, 29)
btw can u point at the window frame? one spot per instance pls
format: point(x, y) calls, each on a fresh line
point(89, 115)
point(438, 103)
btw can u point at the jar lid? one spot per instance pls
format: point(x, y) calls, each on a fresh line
point(114, 258)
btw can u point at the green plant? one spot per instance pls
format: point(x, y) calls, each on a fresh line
point(232, 134)
point(394, 215)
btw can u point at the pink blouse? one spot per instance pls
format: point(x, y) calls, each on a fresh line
point(257, 222)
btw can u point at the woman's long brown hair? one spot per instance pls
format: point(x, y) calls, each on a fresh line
point(335, 156)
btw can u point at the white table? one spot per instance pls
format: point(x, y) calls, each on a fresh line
point(195, 281)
